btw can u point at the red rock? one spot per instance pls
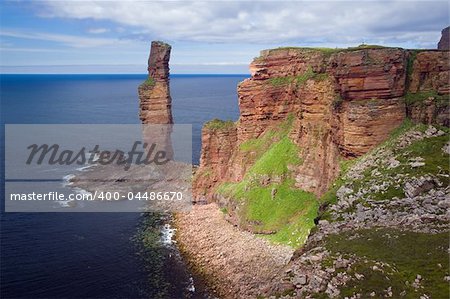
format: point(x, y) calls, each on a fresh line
point(155, 101)
point(430, 71)
point(369, 73)
point(218, 144)
point(154, 94)
point(430, 111)
point(344, 104)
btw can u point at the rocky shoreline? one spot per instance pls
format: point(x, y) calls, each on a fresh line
point(234, 263)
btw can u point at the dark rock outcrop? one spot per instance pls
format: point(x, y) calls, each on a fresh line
point(428, 92)
point(444, 43)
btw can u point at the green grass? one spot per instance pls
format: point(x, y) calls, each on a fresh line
point(366, 46)
point(280, 81)
point(261, 143)
point(259, 146)
point(218, 124)
point(430, 149)
point(295, 231)
point(337, 102)
point(299, 80)
point(421, 96)
point(405, 126)
point(274, 163)
point(410, 65)
point(149, 82)
point(273, 206)
point(288, 217)
point(408, 254)
point(436, 161)
point(329, 51)
point(277, 159)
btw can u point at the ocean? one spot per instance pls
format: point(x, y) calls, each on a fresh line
point(100, 255)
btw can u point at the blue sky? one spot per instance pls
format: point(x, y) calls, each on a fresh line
point(206, 36)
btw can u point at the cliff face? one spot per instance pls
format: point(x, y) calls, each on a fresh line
point(340, 104)
point(427, 95)
point(154, 93)
point(219, 140)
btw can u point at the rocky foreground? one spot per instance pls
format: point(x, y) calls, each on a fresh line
point(385, 234)
point(237, 264)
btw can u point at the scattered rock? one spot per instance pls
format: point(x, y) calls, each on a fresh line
point(317, 284)
point(341, 263)
point(324, 222)
point(418, 186)
point(446, 148)
point(430, 131)
point(359, 276)
point(393, 163)
point(416, 164)
point(273, 193)
point(342, 192)
point(332, 291)
point(300, 280)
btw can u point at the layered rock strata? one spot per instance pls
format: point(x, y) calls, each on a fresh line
point(155, 102)
point(343, 102)
point(154, 94)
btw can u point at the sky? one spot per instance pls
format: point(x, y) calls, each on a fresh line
point(58, 36)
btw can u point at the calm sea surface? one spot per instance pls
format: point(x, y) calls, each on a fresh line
point(98, 255)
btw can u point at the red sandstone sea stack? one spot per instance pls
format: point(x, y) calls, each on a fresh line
point(154, 93)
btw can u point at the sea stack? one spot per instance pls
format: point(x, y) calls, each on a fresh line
point(155, 101)
point(444, 43)
point(154, 93)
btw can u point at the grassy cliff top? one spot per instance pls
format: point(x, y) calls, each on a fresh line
point(218, 124)
point(324, 50)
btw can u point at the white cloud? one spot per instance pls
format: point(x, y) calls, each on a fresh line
point(68, 40)
point(97, 30)
point(15, 49)
point(329, 22)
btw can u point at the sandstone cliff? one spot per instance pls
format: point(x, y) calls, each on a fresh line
point(322, 107)
point(154, 94)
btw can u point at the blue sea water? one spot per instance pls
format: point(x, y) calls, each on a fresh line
point(96, 255)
